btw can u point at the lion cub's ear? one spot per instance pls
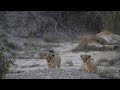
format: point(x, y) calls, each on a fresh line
point(81, 56)
point(53, 55)
point(51, 51)
point(89, 56)
point(44, 54)
point(92, 59)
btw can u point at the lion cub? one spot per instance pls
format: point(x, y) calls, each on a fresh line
point(53, 60)
point(87, 65)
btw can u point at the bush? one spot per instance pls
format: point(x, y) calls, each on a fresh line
point(13, 46)
point(5, 43)
point(109, 73)
point(5, 64)
point(104, 62)
point(108, 68)
point(50, 38)
point(32, 34)
point(6, 56)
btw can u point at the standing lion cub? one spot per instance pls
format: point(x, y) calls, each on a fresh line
point(53, 60)
point(87, 64)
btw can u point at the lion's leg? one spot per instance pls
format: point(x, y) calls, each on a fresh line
point(82, 68)
point(52, 65)
point(89, 70)
point(102, 48)
point(49, 65)
point(58, 66)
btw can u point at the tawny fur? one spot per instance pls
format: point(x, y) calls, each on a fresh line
point(87, 64)
point(100, 41)
point(53, 60)
point(107, 35)
point(87, 40)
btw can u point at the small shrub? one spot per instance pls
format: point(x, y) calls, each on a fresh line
point(5, 60)
point(25, 44)
point(108, 69)
point(104, 62)
point(13, 46)
point(29, 44)
point(110, 74)
point(50, 38)
point(4, 42)
point(111, 62)
point(5, 64)
point(32, 34)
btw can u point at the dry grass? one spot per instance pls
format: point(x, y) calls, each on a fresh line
point(107, 74)
point(56, 38)
point(50, 38)
point(108, 69)
point(104, 62)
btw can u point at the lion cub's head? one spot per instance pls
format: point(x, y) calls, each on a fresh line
point(85, 57)
point(48, 56)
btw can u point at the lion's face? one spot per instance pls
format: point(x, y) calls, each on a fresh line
point(85, 57)
point(48, 56)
